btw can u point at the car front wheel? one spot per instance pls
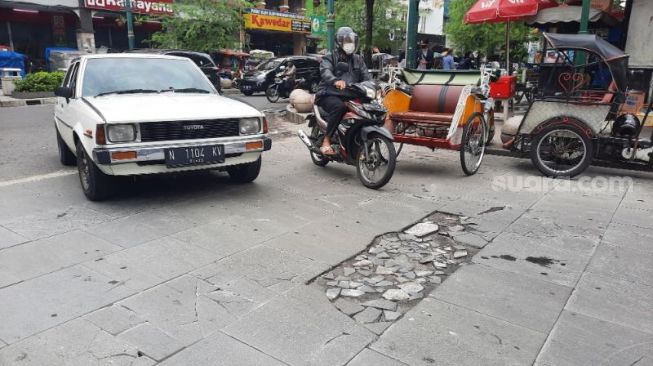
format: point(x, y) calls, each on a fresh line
point(245, 173)
point(95, 184)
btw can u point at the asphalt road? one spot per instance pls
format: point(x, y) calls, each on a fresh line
point(28, 146)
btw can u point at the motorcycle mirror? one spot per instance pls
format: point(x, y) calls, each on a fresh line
point(342, 67)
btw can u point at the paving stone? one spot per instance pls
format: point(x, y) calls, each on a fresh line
point(332, 293)
point(343, 284)
point(369, 315)
point(384, 270)
point(47, 222)
point(623, 263)
point(378, 328)
point(47, 255)
point(423, 273)
point(415, 296)
point(381, 304)
point(383, 283)
point(427, 259)
point(470, 239)
point(410, 275)
point(439, 265)
point(376, 250)
point(460, 253)
point(348, 271)
point(452, 335)
point(411, 287)
point(229, 352)
point(435, 279)
point(582, 340)
point(364, 272)
point(328, 276)
point(368, 357)
point(363, 263)
point(76, 342)
point(494, 292)
point(422, 229)
point(152, 341)
point(332, 283)
point(68, 293)
point(367, 289)
point(327, 336)
point(351, 293)
point(114, 319)
point(374, 279)
point(348, 307)
point(8, 238)
point(354, 284)
point(395, 295)
point(391, 316)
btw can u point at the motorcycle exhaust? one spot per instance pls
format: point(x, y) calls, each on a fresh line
point(307, 141)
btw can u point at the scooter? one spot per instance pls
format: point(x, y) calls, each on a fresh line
point(359, 140)
point(280, 88)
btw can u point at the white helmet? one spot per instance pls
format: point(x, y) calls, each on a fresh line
point(347, 40)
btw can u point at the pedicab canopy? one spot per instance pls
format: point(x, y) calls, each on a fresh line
point(616, 59)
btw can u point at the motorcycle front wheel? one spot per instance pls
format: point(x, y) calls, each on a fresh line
point(376, 164)
point(272, 93)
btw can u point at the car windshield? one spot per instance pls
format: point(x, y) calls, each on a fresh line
point(268, 65)
point(142, 75)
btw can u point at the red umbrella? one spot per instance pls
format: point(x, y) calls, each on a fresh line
point(497, 11)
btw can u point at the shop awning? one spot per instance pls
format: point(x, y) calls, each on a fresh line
point(568, 14)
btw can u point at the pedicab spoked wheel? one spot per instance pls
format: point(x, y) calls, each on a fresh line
point(474, 140)
point(376, 169)
point(561, 151)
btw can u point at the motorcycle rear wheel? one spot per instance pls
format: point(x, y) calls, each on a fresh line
point(381, 160)
point(272, 93)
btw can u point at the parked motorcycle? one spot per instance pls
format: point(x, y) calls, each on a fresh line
point(359, 139)
point(282, 87)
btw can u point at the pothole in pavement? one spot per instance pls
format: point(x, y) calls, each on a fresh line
point(379, 285)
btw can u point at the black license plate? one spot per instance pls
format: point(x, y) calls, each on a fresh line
point(247, 87)
point(194, 155)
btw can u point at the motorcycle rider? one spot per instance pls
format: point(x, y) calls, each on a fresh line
point(288, 74)
point(335, 78)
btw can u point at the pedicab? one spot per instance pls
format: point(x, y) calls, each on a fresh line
point(568, 126)
point(442, 109)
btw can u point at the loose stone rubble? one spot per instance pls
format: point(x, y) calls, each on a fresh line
point(380, 284)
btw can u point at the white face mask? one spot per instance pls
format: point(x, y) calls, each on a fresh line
point(349, 48)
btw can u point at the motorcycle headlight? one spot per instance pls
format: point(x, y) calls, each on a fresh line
point(121, 133)
point(250, 126)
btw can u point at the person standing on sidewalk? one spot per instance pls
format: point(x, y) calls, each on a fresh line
point(447, 60)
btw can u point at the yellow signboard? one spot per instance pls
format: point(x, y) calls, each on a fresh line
point(274, 21)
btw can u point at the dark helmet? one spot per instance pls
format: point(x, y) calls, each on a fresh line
point(345, 38)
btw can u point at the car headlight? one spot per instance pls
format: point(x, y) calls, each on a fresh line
point(250, 126)
point(121, 133)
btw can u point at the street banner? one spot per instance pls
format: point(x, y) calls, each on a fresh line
point(318, 25)
point(276, 21)
point(156, 7)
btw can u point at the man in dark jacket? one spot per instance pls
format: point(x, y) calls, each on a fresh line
point(338, 70)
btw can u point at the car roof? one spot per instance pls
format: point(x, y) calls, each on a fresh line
point(165, 51)
point(132, 55)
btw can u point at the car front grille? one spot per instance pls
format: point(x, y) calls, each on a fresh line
point(188, 130)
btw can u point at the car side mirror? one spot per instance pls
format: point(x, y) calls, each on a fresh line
point(64, 92)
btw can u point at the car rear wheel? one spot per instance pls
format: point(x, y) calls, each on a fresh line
point(248, 93)
point(66, 157)
point(95, 184)
point(245, 173)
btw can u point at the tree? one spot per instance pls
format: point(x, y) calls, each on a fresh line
point(485, 38)
point(201, 25)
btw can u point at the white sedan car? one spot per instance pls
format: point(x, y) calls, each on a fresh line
point(133, 114)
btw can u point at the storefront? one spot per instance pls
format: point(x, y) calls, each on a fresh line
point(280, 32)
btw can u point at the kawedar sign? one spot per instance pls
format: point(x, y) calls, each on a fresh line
point(276, 21)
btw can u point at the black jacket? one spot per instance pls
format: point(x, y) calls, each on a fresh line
point(330, 74)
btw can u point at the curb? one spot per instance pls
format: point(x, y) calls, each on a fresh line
point(13, 102)
point(295, 117)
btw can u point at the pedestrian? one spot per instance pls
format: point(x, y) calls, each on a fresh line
point(447, 60)
point(466, 62)
point(424, 56)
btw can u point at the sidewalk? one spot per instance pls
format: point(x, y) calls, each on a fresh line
point(192, 271)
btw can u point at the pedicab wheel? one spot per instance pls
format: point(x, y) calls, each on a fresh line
point(272, 93)
point(561, 151)
point(376, 169)
point(472, 147)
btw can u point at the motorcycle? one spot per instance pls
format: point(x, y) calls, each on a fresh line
point(359, 139)
point(280, 88)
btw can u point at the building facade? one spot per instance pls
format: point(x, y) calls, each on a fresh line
point(280, 26)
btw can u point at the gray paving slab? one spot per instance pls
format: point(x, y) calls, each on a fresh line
point(43, 256)
point(41, 303)
point(627, 236)
point(151, 341)
point(617, 301)
point(582, 340)
point(240, 296)
point(518, 299)
point(152, 263)
point(534, 226)
point(510, 251)
point(43, 223)
point(182, 308)
point(125, 232)
point(275, 269)
point(76, 343)
point(221, 349)
point(439, 333)
point(634, 217)
point(368, 357)
point(114, 319)
point(8, 238)
point(623, 263)
point(327, 336)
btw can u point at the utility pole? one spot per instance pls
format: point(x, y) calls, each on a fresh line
point(581, 56)
point(130, 24)
point(331, 24)
point(411, 34)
